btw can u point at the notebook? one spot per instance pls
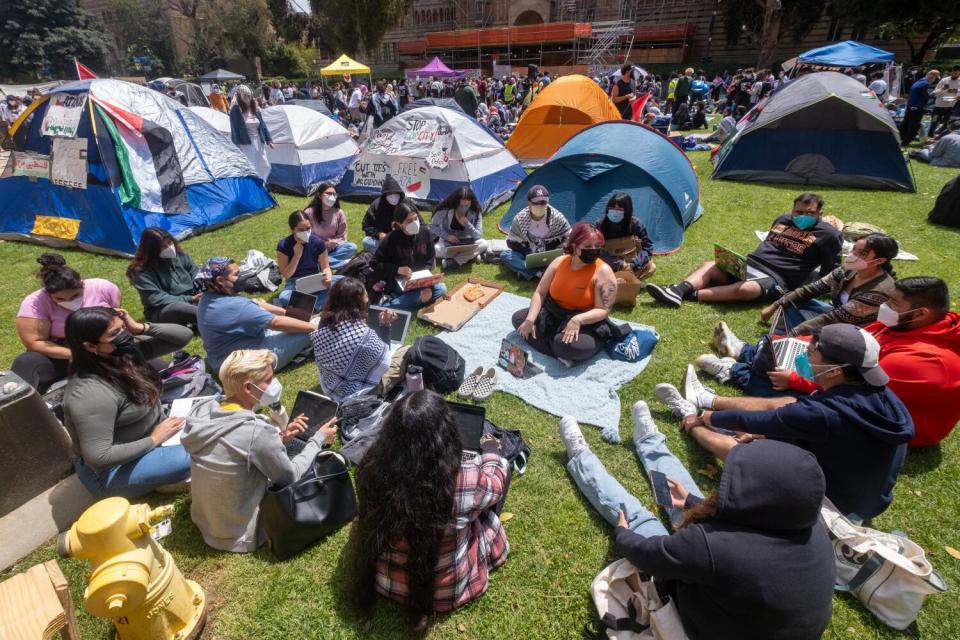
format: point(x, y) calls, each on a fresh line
point(730, 262)
point(311, 284)
point(469, 420)
point(318, 409)
point(419, 280)
point(542, 259)
point(301, 306)
point(180, 408)
point(394, 334)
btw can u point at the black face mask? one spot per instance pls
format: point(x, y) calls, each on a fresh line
point(589, 256)
point(124, 344)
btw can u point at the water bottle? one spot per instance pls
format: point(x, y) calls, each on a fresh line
point(414, 380)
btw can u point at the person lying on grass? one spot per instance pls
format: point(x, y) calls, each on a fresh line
point(855, 426)
point(798, 243)
point(426, 534)
point(750, 561)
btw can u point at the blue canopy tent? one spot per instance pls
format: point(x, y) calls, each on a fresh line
point(150, 161)
point(849, 53)
point(614, 156)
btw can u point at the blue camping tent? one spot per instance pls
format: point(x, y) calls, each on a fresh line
point(620, 156)
point(149, 161)
point(823, 128)
point(849, 53)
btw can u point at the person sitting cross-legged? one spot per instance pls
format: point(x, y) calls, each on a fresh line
point(536, 228)
point(406, 249)
point(855, 426)
point(797, 243)
point(752, 561)
point(568, 313)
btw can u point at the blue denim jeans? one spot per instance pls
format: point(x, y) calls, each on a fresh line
point(157, 467)
point(342, 254)
point(804, 311)
point(370, 243)
point(605, 493)
point(283, 298)
point(518, 264)
point(412, 300)
point(742, 375)
point(285, 345)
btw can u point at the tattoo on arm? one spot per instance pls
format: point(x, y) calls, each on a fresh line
point(608, 294)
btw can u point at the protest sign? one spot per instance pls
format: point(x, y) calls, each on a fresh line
point(413, 174)
point(63, 115)
point(69, 163)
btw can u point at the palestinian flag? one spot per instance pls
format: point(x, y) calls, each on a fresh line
point(150, 176)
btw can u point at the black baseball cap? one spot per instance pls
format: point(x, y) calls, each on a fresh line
point(538, 194)
point(850, 345)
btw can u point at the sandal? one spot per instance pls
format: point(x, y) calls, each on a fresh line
point(469, 385)
point(486, 385)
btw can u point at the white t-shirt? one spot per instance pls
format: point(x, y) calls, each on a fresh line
point(538, 229)
point(879, 87)
point(354, 99)
point(946, 93)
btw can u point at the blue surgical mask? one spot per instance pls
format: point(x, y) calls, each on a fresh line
point(803, 367)
point(804, 221)
point(615, 215)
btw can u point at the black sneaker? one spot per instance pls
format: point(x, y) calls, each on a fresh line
point(665, 295)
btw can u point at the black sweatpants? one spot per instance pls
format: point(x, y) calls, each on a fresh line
point(583, 348)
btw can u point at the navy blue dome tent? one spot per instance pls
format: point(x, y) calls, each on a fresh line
point(620, 156)
point(821, 129)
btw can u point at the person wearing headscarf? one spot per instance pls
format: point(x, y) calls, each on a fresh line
point(248, 131)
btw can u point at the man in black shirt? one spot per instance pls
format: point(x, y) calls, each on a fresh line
point(796, 244)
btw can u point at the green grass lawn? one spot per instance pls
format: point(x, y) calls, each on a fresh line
point(558, 544)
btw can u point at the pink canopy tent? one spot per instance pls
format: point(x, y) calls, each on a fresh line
point(437, 69)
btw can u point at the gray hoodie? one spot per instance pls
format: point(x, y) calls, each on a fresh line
point(234, 456)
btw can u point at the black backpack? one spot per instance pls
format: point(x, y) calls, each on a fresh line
point(442, 366)
point(946, 210)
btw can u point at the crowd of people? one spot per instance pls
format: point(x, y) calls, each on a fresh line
point(881, 373)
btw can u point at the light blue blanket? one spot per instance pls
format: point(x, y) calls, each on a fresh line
point(587, 391)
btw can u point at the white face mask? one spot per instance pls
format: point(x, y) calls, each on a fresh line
point(270, 395)
point(393, 198)
point(889, 317)
point(412, 228)
point(168, 253)
point(71, 305)
point(329, 200)
point(538, 210)
point(303, 236)
point(856, 263)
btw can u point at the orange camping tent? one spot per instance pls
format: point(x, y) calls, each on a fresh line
point(568, 105)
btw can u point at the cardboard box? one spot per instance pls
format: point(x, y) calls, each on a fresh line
point(625, 248)
point(453, 310)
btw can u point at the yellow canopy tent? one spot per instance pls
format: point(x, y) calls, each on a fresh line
point(345, 65)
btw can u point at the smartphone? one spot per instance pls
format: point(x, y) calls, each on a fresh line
point(623, 508)
point(661, 489)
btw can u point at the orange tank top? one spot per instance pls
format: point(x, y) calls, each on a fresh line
point(574, 288)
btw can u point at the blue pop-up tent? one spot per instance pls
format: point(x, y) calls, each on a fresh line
point(620, 156)
point(848, 53)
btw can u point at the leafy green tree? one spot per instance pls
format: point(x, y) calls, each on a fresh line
point(767, 22)
point(923, 25)
point(351, 26)
point(40, 39)
point(143, 30)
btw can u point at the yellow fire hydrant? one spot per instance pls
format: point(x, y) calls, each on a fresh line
point(134, 580)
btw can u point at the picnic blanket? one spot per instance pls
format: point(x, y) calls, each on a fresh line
point(586, 391)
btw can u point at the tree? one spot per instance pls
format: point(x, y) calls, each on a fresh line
point(292, 26)
point(767, 22)
point(143, 31)
point(225, 28)
point(922, 24)
point(350, 26)
point(40, 39)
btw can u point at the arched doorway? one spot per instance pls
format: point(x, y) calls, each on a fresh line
point(528, 17)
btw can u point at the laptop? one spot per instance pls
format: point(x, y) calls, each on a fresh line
point(394, 334)
point(516, 360)
point(318, 409)
point(542, 259)
point(730, 262)
point(469, 420)
point(454, 250)
point(419, 280)
point(301, 306)
point(785, 350)
point(311, 284)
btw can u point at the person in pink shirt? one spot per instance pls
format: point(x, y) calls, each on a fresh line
point(329, 223)
point(43, 313)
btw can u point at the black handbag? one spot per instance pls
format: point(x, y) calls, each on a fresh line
point(316, 505)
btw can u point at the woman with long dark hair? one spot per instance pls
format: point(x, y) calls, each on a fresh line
point(752, 560)
point(162, 273)
point(329, 223)
point(301, 254)
point(568, 313)
point(426, 534)
point(351, 356)
point(626, 234)
point(248, 131)
point(112, 409)
point(457, 221)
point(406, 249)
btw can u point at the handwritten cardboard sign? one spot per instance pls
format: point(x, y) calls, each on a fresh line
point(63, 115)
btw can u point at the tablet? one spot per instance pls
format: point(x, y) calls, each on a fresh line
point(318, 409)
point(469, 420)
point(301, 306)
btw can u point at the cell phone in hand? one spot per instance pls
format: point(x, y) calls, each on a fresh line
point(661, 488)
point(623, 508)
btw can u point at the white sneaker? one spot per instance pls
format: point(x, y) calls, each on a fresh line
point(643, 424)
point(726, 341)
point(572, 436)
point(714, 366)
point(678, 405)
point(695, 392)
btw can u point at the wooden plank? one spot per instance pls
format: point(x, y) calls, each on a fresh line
point(62, 588)
point(29, 607)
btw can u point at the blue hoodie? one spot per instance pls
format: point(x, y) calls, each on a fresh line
point(762, 567)
point(859, 434)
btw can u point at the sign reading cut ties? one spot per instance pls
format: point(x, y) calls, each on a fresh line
point(69, 166)
point(413, 174)
point(63, 115)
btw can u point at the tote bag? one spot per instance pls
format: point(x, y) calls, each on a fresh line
point(887, 572)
